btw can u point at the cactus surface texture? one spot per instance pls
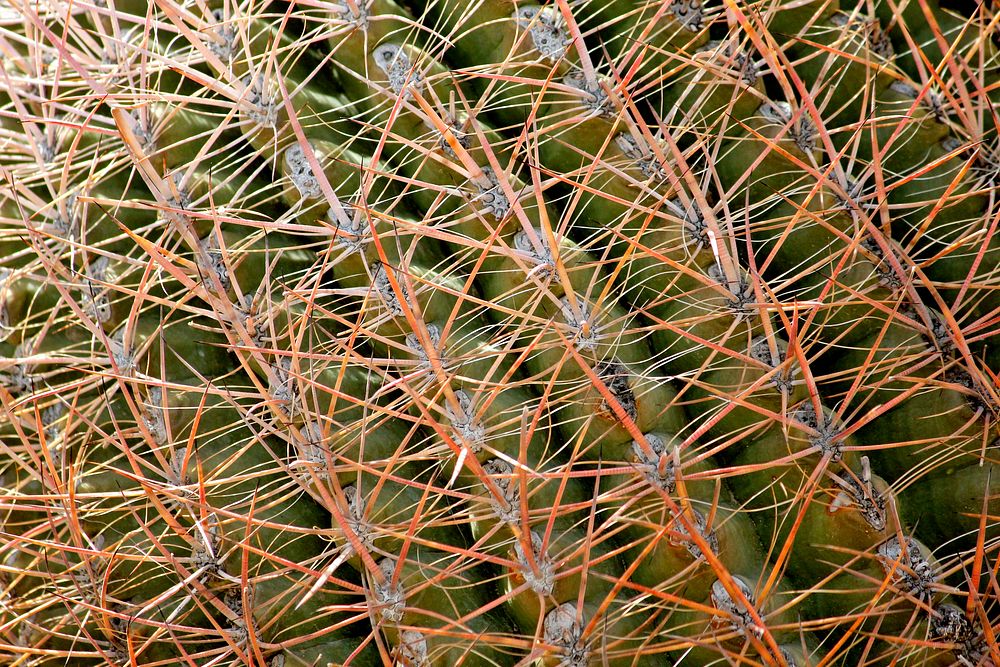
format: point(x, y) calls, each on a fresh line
point(466, 333)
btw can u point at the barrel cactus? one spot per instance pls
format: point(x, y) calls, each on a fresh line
point(427, 332)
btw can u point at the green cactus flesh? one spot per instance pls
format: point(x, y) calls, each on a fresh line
point(498, 333)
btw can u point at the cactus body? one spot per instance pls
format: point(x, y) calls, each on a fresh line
point(568, 333)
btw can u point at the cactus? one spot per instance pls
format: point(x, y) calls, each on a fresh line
point(423, 332)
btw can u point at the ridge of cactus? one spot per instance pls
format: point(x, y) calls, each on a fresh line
point(430, 333)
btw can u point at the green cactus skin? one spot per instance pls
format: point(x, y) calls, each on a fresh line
point(566, 334)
